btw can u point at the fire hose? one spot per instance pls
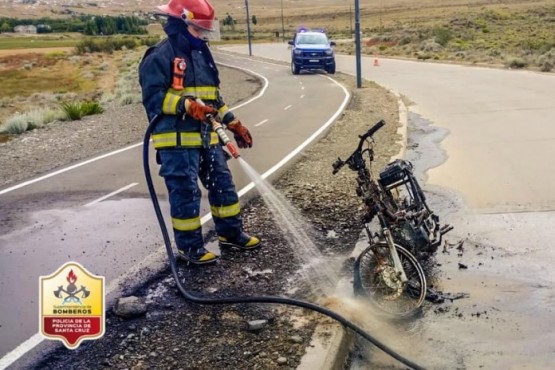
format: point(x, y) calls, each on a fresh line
point(247, 299)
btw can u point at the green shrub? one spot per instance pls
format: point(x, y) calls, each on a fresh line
point(108, 45)
point(73, 110)
point(90, 108)
point(516, 63)
point(151, 40)
point(547, 60)
point(535, 44)
point(31, 120)
point(77, 110)
point(442, 36)
point(107, 98)
point(129, 98)
point(35, 119)
point(430, 46)
point(405, 40)
point(423, 56)
point(15, 125)
point(51, 115)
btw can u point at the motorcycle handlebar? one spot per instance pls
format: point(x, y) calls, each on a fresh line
point(339, 163)
point(373, 129)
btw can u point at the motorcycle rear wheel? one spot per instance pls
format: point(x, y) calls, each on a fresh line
point(375, 278)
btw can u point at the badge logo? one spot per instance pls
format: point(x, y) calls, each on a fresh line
point(71, 305)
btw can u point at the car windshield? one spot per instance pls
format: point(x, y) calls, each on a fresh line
point(316, 39)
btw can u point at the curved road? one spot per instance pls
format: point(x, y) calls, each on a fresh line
point(97, 213)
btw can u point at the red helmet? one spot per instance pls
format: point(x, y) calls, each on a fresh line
point(199, 13)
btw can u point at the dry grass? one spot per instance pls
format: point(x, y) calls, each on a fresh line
point(10, 52)
point(45, 80)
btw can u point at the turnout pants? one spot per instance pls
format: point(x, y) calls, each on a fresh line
point(181, 169)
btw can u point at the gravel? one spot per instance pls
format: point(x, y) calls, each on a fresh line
point(175, 334)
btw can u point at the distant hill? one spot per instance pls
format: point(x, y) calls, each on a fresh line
point(260, 8)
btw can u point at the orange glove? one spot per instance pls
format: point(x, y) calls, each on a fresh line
point(198, 111)
point(242, 135)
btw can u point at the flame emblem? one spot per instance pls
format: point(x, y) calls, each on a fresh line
point(71, 290)
point(71, 277)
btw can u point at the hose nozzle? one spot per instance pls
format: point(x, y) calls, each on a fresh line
point(219, 129)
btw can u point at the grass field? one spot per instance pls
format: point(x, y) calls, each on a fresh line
point(11, 42)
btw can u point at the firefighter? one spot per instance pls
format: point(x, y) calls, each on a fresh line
point(180, 85)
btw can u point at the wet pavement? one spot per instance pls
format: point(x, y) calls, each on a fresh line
point(506, 267)
point(58, 235)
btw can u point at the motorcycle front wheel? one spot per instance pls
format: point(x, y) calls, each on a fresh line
point(375, 278)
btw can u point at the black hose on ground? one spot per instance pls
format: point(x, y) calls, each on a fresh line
point(253, 299)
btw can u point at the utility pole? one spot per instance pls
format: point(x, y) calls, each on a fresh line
point(350, 20)
point(357, 43)
point(381, 11)
point(282, 24)
point(248, 27)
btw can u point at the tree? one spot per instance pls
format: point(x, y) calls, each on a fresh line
point(90, 28)
point(5, 27)
point(254, 20)
point(229, 21)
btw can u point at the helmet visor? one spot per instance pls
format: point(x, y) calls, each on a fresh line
point(203, 24)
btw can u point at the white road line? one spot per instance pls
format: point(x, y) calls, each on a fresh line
point(112, 194)
point(261, 123)
point(289, 106)
point(23, 184)
point(298, 149)
point(302, 96)
point(262, 91)
point(24, 347)
point(302, 87)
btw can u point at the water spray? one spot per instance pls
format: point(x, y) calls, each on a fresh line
point(248, 299)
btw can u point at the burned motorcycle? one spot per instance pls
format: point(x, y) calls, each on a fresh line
point(388, 271)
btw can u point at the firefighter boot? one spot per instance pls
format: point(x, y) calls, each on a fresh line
point(198, 256)
point(244, 241)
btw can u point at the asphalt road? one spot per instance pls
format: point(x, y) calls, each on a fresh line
point(98, 213)
point(502, 136)
point(484, 141)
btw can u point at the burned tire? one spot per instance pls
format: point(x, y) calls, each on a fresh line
point(380, 284)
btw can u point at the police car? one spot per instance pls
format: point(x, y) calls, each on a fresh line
point(311, 49)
